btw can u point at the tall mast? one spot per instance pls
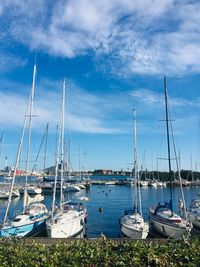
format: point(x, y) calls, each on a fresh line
point(168, 141)
point(45, 149)
point(192, 173)
point(29, 135)
point(56, 169)
point(1, 147)
point(68, 160)
point(62, 143)
point(79, 163)
point(135, 160)
point(145, 167)
point(17, 161)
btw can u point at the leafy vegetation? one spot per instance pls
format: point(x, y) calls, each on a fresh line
point(100, 252)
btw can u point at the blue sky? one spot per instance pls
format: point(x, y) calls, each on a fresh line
point(114, 55)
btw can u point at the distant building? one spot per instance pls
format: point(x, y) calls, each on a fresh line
point(102, 172)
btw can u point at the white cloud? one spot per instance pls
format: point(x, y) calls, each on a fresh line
point(84, 111)
point(152, 98)
point(144, 37)
point(106, 113)
point(9, 62)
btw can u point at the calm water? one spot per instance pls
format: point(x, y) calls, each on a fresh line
point(114, 199)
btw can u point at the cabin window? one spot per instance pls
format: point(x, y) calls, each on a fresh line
point(17, 220)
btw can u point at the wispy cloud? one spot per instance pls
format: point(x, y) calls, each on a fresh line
point(144, 37)
point(84, 112)
point(154, 98)
point(107, 113)
point(9, 62)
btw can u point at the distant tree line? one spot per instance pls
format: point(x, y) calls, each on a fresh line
point(165, 176)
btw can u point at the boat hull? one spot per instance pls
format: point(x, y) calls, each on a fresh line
point(30, 229)
point(133, 226)
point(66, 226)
point(169, 230)
point(194, 218)
point(135, 233)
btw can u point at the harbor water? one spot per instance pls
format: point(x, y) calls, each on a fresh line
point(107, 204)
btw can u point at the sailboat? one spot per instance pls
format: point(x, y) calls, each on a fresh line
point(132, 223)
point(162, 217)
point(194, 211)
point(67, 220)
point(33, 218)
point(5, 192)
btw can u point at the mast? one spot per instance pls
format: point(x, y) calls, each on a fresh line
point(45, 149)
point(135, 160)
point(79, 163)
point(29, 136)
point(56, 170)
point(145, 168)
point(6, 161)
point(1, 146)
point(17, 162)
point(192, 173)
point(68, 160)
point(62, 144)
point(168, 141)
point(36, 159)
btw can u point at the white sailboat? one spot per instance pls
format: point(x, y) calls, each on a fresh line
point(68, 220)
point(68, 187)
point(31, 189)
point(144, 183)
point(162, 217)
point(33, 218)
point(132, 223)
point(5, 192)
point(194, 212)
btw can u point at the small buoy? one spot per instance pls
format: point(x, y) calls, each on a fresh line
point(106, 194)
point(109, 190)
point(100, 209)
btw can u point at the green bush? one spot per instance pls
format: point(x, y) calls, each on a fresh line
point(100, 252)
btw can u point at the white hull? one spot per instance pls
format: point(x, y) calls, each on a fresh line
point(194, 212)
point(135, 233)
point(31, 190)
point(134, 227)
point(5, 192)
point(81, 186)
point(194, 217)
point(34, 190)
point(69, 224)
point(144, 183)
point(110, 183)
point(159, 184)
point(171, 230)
point(15, 193)
point(4, 195)
point(71, 188)
point(153, 184)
